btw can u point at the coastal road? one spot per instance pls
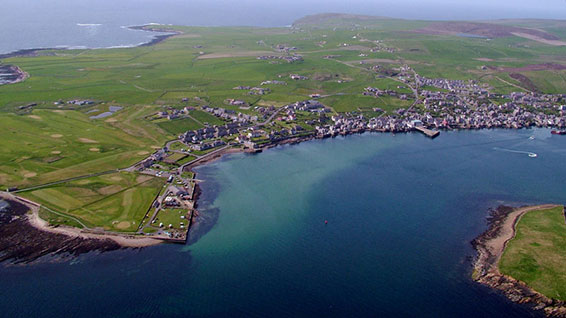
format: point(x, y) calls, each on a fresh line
point(182, 167)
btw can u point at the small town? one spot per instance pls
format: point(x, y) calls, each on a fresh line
point(457, 104)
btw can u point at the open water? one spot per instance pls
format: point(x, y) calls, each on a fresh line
point(401, 211)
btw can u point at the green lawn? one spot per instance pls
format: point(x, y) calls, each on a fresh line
point(116, 202)
point(205, 117)
point(50, 145)
point(178, 126)
point(173, 217)
point(185, 159)
point(536, 255)
point(178, 146)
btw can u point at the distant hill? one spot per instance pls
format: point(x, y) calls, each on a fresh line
point(544, 31)
point(335, 19)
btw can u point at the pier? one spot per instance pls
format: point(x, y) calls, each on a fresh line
point(427, 132)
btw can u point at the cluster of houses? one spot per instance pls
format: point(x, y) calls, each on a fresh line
point(376, 92)
point(250, 139)
point(78, 102)
point(259, 91)
point(207, 145)
point(286, 58)
point(460, 105)
point(471, 114)
point(383, 48)
point(236, 102)
point(252, 90)
point(158, 155)
point(485, 117)
point(229, 114)
point(312, 106)
point(456, 86)
point(298, 77)
point(273, 83)
point(284, 48)
point(173, 113)
point(199, 135)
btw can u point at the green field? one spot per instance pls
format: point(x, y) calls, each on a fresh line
point(206, 118)
point(178, 126)
point(49, 145)
point(536, 254)
point(173, 217)
point(116, 202)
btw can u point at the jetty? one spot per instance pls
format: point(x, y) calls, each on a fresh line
point(427, 132)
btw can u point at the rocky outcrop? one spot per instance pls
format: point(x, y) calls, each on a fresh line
point(20, 242)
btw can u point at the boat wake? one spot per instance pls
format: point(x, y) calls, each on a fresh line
point(528, 153)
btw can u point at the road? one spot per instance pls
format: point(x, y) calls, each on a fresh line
point(65, 180)
point(268, 120)
point(199, 158)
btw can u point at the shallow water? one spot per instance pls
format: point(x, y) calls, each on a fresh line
point(401, 211)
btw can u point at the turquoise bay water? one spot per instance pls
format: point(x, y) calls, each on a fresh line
point(401, 212)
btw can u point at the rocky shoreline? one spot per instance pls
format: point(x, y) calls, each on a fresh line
point(490, 246)
point(156, 39)
point(35, 51)
point(23, 243)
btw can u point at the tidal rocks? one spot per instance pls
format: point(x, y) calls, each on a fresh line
point(20, 242)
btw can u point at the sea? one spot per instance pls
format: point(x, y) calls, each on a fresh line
point(370, 225)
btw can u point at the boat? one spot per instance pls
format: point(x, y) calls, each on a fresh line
point(533, 155)
point(558, 132)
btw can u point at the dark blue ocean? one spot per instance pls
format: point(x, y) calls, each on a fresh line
point(401, 211)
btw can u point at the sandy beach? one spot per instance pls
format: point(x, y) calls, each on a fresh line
point(34, 220)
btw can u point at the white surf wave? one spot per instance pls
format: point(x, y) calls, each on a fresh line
point(528, 153)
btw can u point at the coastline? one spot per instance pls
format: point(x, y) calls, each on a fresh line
point(28, 237)
point(21, 75)
point(491, 244)
point(124, 240)
point(155, 40)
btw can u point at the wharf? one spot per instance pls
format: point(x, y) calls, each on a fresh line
point(429, 133)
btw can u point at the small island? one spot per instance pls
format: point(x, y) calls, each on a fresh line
point(521, 255)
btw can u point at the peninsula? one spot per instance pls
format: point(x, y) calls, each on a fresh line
point(520, 254)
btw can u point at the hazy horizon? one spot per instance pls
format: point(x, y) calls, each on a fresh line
point(100, 23)
point(266, 13)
